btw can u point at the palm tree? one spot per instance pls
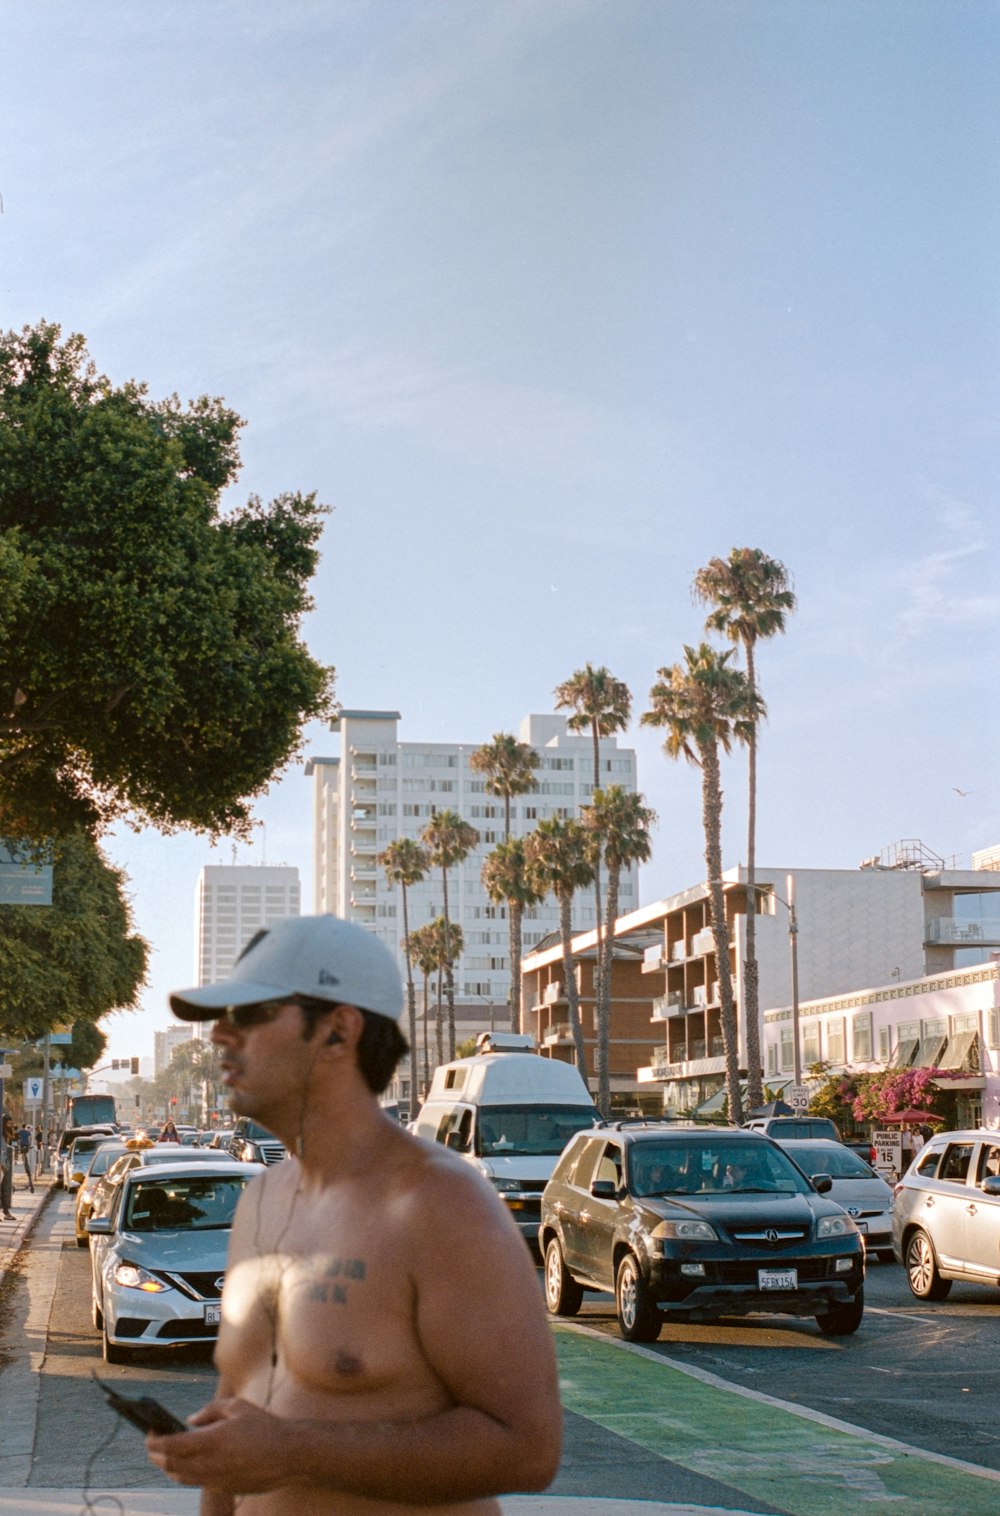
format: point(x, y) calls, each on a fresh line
point(448, 840)
point(423, 946)
point(602, 705)
point(707, 705)
point(406, 863)
point(508, 881)
point(618, 820)
point(750, 596)
point(559, 864)
point(509, 767)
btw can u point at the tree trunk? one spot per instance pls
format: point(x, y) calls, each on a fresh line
point(569, 981)
point(439, 1017)
point(599, 967)
point(514, 935)
point(711, 797)
point(411, 1007)
point(751, 999)
point(604, 1004)
point(449, 973)
point(427, 1043)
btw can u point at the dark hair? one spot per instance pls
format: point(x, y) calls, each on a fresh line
point(380, 1046)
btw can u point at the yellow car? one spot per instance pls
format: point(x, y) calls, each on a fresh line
point(100, 1160)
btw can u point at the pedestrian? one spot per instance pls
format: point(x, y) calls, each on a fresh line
point(383, 1342)
point(7, 1155)
point(169, 1132)
point(26, 1146)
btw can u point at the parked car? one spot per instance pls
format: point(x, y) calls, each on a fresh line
point(856, 1186)
point(946, 1223)
point(77, 1158)
point(158, 1258)
point(68, 1136)
point(100, 1161)
point(106, 1188)
point(252, 1143)
point(691, 1223)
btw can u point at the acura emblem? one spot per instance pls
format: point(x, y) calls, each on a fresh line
point(770, 1235)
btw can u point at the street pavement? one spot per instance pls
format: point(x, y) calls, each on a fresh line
point(644, 1434)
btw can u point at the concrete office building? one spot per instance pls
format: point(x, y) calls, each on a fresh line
point(379, 789)
point(232, 903)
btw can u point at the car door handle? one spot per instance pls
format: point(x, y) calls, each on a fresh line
point(971, 1208)
point(929, 1202)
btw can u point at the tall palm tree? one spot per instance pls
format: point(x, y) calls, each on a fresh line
point(448, 840)
point(508, 881)
point(750, 596)
point(406, 863)
point(445, 946)
point(602, 705)
point(509, 767)
point(618, 821)
point(422, 945)
point(559, 863)
point(706, 705)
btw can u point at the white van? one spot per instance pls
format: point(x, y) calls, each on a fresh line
point(511, 1112)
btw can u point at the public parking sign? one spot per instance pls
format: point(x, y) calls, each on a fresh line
point(33, 1089)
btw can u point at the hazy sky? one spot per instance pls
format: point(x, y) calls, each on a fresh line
point(552, 301)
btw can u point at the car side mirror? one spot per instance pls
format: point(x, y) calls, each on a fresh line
point(98, 1226)
point(822, 1184)
point(604, 1189)
point(991, 1185)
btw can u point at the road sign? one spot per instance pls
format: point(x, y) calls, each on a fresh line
point(888, 1152)
point(797, 1096)
point(33, 1091)
point(23, 880)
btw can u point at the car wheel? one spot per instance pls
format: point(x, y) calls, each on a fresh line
point(83, 1242)
point(563, 1296)
point(113, 1353)
point(639, 1318)
point(843, 1319)
point(96, 1314)
point(922, 1271)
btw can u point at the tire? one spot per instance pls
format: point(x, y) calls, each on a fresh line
point(563, 1296)
point(83, 1242)
point(96, 1314)
point(843, 1319)
point(922, 1273)
point(639, 1319)
point(112, 1352)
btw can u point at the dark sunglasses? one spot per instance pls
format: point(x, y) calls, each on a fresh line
point(243, 1017)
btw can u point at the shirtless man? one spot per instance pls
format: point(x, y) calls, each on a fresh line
point(384, 1346)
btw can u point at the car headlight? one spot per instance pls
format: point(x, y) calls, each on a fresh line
point(685, 1229)
point(835, 1226)
point(132, 1277)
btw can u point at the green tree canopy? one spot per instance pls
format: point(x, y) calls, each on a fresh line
point(149, 654)
point(76, 960)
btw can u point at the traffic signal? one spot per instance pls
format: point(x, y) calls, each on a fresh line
point(134, 1064)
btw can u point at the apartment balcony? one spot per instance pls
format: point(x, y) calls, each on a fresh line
point(363, 873)
point(703, 942)
point(553, 993)
point(559, 1036)
point(679, 951)
point(364, 844)
point(952, 931)
point(362, 899)
point(665, 1006)
point(653, 961)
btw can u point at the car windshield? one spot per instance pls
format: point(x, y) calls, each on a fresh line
point(839, 1163)
point(196, 1204)
point(709, 1167)
point(103, 1159)
point(506, 1131)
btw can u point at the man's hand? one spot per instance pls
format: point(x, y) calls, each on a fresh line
point(233, 1447)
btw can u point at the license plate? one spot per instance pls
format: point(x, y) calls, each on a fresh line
point(213, 1315)
point(777, 1279)
point(862, 1227)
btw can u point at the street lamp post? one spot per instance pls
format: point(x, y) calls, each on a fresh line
point(793, 947)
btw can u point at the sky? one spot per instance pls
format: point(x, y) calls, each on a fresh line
point(552, 301)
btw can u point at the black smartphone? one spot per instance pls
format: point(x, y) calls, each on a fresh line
point(144, 1412)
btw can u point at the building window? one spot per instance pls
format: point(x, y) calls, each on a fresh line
point(810, 1044)
point(884, 1044)
point(835, 1049)
point(787, 1051)
point(861, 1037)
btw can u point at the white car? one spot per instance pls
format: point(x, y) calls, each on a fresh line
point(861, 1192)
point(158, 1256)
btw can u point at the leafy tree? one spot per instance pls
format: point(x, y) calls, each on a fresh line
point(560, 863)
point(73, 961)
point(449, 840)
point(620, 822)
point(509, 767)
point(509, 881)
point(149, 655)
point(406, 863)
point(705, 704)
point(750, 597)
point(602, 705)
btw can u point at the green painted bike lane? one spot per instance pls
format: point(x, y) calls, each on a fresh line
point(765, 1450)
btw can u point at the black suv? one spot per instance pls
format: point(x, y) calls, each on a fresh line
point(692, 1223)
point(253, 1143)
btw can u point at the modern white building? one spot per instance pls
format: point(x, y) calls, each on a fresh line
point(379, 789)
point(166, 1043)
point(232, 903)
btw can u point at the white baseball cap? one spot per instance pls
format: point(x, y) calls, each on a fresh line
point(321, 957)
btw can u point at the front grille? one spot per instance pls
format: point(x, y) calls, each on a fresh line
point(195, 1331)
point(271, 1152)
point(744, 1271)
point(771, 1236)
point(200, 1286)
point(130, 1326)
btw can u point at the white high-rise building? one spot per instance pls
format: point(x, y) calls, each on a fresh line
point(380, 789)
point(232, 903)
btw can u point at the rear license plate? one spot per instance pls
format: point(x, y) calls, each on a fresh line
point(777, 1279)
point(213, 1315)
